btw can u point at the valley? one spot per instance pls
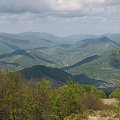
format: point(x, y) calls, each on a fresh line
point(90, 59)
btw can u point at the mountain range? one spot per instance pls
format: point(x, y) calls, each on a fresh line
point(90, 59)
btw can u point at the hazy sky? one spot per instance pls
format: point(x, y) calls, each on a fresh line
point(60, 17)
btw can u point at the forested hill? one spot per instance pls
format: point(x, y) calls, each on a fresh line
point(40, 72)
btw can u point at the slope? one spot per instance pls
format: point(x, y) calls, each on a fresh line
point(40, 72)
point(105, 68)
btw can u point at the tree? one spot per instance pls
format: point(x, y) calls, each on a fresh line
point(42, 101)
point(16, 99)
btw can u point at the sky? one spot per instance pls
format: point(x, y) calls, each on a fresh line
point(60, 17)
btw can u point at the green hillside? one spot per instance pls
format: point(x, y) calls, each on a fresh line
point(5, 49)
point(89, 60)
point(29, 40)
point(105, 68)
point(57, 76)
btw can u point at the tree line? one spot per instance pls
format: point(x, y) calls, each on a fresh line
point(21, 99)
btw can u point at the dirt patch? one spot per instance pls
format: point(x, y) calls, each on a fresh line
point(106, 114)
point(100, 116)
point(111, 102)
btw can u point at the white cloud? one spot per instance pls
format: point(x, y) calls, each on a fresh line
point(39, 6)
point(41, 11)
point(95, 1)
point(66, 5)
point(59, 8)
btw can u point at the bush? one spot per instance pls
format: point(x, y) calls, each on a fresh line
point(36, 100)
point(90, 101)
point(115, 94)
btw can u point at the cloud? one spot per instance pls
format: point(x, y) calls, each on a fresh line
point(66, 5)
point(20, 6)
point(37, 13)
point(114, 2)
point(40, 6)
point(58, 8)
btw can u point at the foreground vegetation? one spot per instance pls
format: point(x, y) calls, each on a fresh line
point(21, 99)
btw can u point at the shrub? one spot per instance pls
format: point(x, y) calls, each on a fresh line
point(90, 101)
point(115, 94)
